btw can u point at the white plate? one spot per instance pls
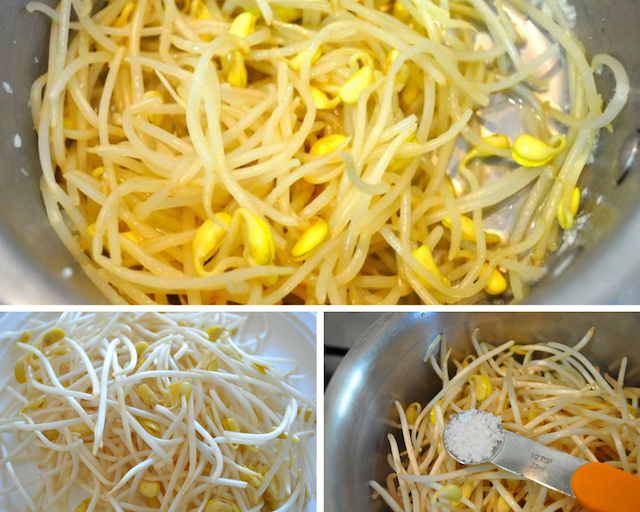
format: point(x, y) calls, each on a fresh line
point(291, 335)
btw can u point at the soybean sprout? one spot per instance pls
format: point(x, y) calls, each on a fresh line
point(545, 391)
point(149, 411)
point(315, 151)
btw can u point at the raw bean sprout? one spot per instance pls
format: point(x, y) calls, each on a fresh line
point(149, 411)
point(548, 392)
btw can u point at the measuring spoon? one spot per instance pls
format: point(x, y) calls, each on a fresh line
point(597, 486)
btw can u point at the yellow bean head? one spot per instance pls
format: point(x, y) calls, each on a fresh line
point(322, 101)
point(521, 350)
point(410, 92)
point(140, 347)
point(243, 24)
point(208, 238)
point(469, 232)
point(83, 506)
point(213, 364)
point(448, 492)
point(198, 9)
point(529, 151)
point(534, 411)
point(433, 417)
point(147, 395)
point(231, 425)
point(262, 247)
point(482, 385)
point(51, 435)
point(352, 89)
point(215, 332)
point(220, 505)
point(178, 389)
point(425, 257)
point(20, 370)
point(36, 403)
point(400, 12)
point(565, 219)
point(467, 488)
point(497, 141)
point(412, 412)
point(260, 367)
point(502, 505)
point(81, 428)
point(555, 495)
point(310, 240)
point(53, 336)
point(327, 144)
point(254, 480)
point(151, 427)
point(96, 173)
point(497, 283)
point(149, 489)
point(237, 71)
point(468, 360)
point(297, 61)
point(288, 14)
point(512, 484)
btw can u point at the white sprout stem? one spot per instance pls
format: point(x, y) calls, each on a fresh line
point(243, 438)
point(102, 407)
point(15, 479)
point(131, 473)
point(87, 364)
point(72, 401)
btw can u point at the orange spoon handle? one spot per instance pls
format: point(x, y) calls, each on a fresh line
point(603, 488)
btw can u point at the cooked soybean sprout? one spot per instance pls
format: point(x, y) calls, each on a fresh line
point(149, 411)
point(549, 392)
point(315, 151)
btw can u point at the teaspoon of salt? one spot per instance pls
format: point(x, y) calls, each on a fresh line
point(476, 437)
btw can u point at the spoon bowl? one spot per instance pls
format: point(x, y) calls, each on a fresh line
point(474, 437)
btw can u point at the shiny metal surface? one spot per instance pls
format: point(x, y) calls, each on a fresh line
point(532, 460)
point(35, 265)
point(386, 365)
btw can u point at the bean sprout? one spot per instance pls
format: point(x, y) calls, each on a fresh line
point(560, 400)
point(148, 411)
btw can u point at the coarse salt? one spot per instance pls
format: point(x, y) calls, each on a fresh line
point(7, 87)
point(472, 436)
point(17, 141)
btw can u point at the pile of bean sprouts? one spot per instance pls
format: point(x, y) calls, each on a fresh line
point(315, 142)
point(548, 392)
point(150, 411)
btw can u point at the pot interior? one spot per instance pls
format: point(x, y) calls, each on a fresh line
point(597, 267)
point(386, 365)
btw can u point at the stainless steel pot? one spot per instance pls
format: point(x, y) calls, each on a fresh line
point(386, 365)
point(603, 266)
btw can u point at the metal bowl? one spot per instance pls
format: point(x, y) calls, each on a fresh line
point(601, 267)
point(386, 365)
